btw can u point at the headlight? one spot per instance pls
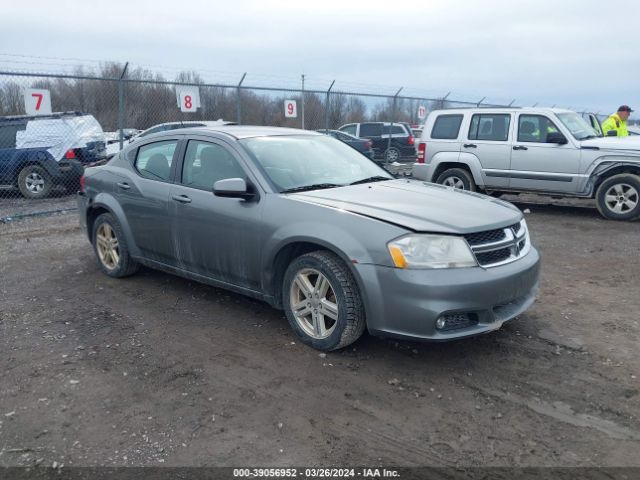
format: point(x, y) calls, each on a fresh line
point(431, 251)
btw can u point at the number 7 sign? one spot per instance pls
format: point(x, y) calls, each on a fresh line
point(37, 101)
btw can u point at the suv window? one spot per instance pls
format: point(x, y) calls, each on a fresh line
point(205, 163)
point(154, 160)
point(493, 127)
point(395, 130)
point(534, 128)
point(446, 127)
point(8, 135)
point(370, 129)
point(350, 129)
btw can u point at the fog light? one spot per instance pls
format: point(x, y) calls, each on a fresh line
point(455, 321)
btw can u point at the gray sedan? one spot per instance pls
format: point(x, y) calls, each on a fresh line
point(309, 225)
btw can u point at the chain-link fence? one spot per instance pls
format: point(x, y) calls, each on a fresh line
point(52, 126)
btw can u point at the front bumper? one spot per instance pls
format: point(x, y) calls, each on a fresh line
point(407, 303)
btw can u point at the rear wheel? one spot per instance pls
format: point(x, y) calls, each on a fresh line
point(322, 301)
point(618, 197)
point(392, 155)
point(111, 249)
point(34, 182)
point(457, 178)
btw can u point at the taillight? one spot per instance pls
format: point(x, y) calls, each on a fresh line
point(82, 183)
point(71, 154)
point(369, 144)
point(422, 150)
point(411, 140)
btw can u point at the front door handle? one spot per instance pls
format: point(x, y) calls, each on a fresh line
point(520, 147)
point(124, 185)
point(470, 145)
point(181, 198)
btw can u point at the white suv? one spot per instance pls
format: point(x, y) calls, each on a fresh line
point(542, 150)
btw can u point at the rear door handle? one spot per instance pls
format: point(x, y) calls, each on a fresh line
point(470, 145)
point(124, 185)
point(520, 147)
point(181, 198)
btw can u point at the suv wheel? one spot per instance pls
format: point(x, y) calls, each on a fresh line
point(618, 197)
point(111, 248)
point(392, 155)
point(34, 182)
point(322, 301)
point(457, 178)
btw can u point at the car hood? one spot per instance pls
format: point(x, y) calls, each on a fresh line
point(418, 206)
point(613, 143)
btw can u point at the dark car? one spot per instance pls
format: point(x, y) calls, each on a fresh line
point(363, 145)
point(309, 225)
point(400, 146)
point(39, 152)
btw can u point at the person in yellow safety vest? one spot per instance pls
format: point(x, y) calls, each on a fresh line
point(617, 123)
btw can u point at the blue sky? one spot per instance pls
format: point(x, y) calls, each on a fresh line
point(580, 54)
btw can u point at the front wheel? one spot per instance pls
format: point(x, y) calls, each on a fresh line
point(457, 178)
point(618, 197)
point(322, 301)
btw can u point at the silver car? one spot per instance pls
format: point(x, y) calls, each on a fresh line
point(309, 225)
point(541, 150)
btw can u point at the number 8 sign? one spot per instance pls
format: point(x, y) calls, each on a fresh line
point(37, 101)
point(290, 109)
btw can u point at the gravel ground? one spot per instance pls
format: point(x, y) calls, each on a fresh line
point(158, 370)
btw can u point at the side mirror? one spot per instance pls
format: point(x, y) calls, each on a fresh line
point(556, 137)
point(612, 133)
point(232, 188)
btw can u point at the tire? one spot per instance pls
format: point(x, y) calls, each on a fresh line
point(457, 178)
point(121, 265)
point(618, 197)
point(341, 294)
point(34, 182)
point(391, 155)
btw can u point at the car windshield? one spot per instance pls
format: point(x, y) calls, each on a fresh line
point(577, 125)
point(300, 161)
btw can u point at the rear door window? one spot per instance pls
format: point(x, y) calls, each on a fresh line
point(370, 130)
point(493, 127)
point(154, 161)
point(446, 127)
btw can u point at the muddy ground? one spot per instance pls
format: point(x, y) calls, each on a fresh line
point(157, 370)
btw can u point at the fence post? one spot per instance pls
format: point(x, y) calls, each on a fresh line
point(326, 109)
point(393, 115)
point(121, 104)
point(238, 109)
point(302, 102)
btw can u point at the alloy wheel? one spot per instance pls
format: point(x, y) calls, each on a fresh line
point(454, 182)
point(107, 246)
point(621, 198)
point(34, 182)
point(313, 303)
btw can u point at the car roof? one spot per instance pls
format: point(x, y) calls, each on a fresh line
point(239, 131)
point(51, 116)
point(532, 110)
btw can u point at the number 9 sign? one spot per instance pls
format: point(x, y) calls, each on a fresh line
point(37, 101)
point(290, 109)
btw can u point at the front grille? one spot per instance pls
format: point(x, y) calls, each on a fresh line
point(494, 256)
point(497, 247)
point(485, 237)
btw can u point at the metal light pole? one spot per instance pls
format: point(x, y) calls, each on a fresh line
point(238, 109)
point(326, 109)
point(302, 102)
point(121, 104)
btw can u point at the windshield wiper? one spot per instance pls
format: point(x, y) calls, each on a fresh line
point(377, 178)
point(306, 188)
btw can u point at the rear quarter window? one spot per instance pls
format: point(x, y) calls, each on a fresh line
point(8, 135)
point(446, 127)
